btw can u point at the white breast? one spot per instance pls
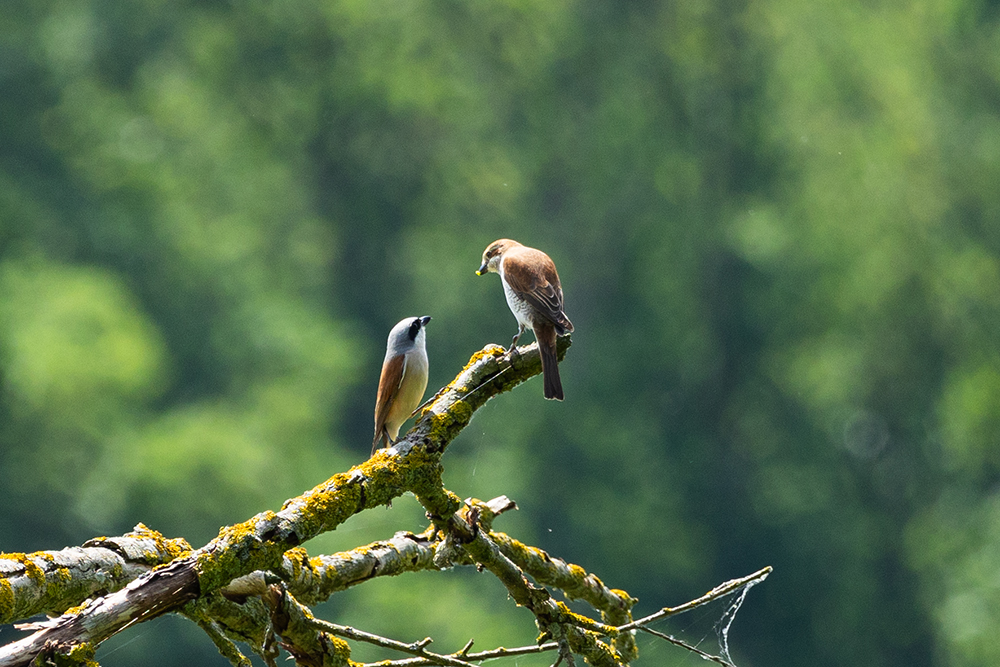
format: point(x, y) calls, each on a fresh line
point(522, 311)
point(411, 390)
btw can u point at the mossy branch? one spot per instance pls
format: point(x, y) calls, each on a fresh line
point(576, 584)
point(249, 584)
point(51, 582)
point(260, 543)
point(571, 631)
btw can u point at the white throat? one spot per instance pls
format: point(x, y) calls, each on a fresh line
point(522, 311)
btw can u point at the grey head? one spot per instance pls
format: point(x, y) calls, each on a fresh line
point(408, 334)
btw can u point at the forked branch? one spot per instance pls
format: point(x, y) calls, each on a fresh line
point(260, 543)
point(252, 583)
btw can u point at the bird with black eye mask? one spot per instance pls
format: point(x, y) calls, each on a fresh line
point(403, 379)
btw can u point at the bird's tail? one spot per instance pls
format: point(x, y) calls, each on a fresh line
point(563, 325)
point(550, 365)
point(377, 442)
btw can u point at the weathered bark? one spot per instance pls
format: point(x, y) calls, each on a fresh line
point(252, 582)
point(53, 581)
point(261, 542)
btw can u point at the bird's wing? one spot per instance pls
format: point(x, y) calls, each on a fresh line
point(540, 289)
point(388, 386)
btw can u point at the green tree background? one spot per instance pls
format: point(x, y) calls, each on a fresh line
point(776, 225)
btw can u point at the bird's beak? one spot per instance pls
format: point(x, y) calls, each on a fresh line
point(482, 270)
point(424, 320)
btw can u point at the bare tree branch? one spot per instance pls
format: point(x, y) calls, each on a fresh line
point(260, 543)
point(720, 591)
point(688, 647)
point(573, 580)
point(472, 657)
point(554, 619)
point(53, 581)
point(228, 586)
point(247, 622)
point(314, 580)
point(310, 647)
point(417, 648)
point(227, 648)
point(577, 584)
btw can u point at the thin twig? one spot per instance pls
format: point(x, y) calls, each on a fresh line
point(416, 648)
point(719, 591)
point(689, 647)
point(500, 652)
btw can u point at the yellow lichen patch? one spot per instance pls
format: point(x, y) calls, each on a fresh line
point(584, 622)
point(488, 351)
point(329, 504)
point(6, 601)
point(440, 422)
point(421, 464)
point(173, 548)
point(462, 412)
point(82, 654)
point(242, 551)
point(60, 576)
point(443, 423)
point(77, 609)
point(31, 568)
point(339, 650)
point(266, 515)
point(521, 550)
point(627, 600)
point(141, 530)
point(298, 558)
point(178, 547)
point(594, 651)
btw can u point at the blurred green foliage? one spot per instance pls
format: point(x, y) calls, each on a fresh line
point(776, 228)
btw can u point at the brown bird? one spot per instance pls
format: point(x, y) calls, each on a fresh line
point(531, 284)
point(403, 379)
